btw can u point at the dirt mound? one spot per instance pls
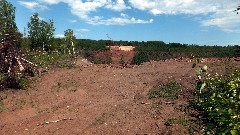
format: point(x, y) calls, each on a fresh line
point(126, 56)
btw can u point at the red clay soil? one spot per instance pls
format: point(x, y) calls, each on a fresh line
point(100, 99)
point(126, 56)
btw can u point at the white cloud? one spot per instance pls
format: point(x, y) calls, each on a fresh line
point(33, 6)
point(85, 11)
point(123, 15)
point(218, 12)
point(212, 12)
point(59, 36)
point(72, 21)
point(119, 5)
point(123, 21)
point(41, 18)
point(228, 21)
point(51, 1)
point(157, 7)
point(82, 30)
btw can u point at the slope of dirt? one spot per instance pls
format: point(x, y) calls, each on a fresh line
point(99, 99)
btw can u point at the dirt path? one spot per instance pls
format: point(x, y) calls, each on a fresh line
point(98, 99)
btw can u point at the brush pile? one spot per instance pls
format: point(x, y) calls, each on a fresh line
point(12, 66)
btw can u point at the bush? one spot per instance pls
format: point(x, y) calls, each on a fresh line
point(139, 58)
point(218, 101)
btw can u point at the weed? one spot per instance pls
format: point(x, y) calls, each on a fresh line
point(18, 104)
point(55, 108)
point(51, 59)
point(73, 89)
point(1, 106)
point(102, 119)
point(170, 90)
point(192, 128)
point(70, 85)
point(24, 82)
point(3, 96)
point(33, 103)
point(183, 121)
point(122, 61)
point(42, 110)
point(169, 121)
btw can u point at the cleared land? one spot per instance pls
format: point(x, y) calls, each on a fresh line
point(104, 99)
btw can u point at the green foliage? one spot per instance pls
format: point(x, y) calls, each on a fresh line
point(70, 40)
point(219, 101)
point(139, 58)
point(1, 106)
point(40, 33)
point(158, 50)
point(48, 59)
point(7, 18)
point(91, 45)
point(170, 90)
point(122, 61)
point(237, 51)
point(24, 82)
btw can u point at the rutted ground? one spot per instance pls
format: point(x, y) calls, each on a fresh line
point(100, 99)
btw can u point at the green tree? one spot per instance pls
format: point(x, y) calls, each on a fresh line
point(25, 40)
point(47, 34)
point(7, 18)
point(70, 40)
point(41, 33)
point(34, 31)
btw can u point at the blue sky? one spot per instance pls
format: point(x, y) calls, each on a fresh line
point(203, 22)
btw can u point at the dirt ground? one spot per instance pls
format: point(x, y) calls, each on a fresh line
point(102, 99)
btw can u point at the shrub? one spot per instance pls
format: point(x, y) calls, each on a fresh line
point(139, 58)
point(122, 61)
point(218, 101)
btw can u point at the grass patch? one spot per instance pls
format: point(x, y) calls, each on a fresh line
point(24, 82)
point(18, 104)
point(192, 125)
point(71, 85)
point(42, 110)
point(170, 90)
point(102, 119)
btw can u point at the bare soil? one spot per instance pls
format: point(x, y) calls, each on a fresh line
point(102, 99)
